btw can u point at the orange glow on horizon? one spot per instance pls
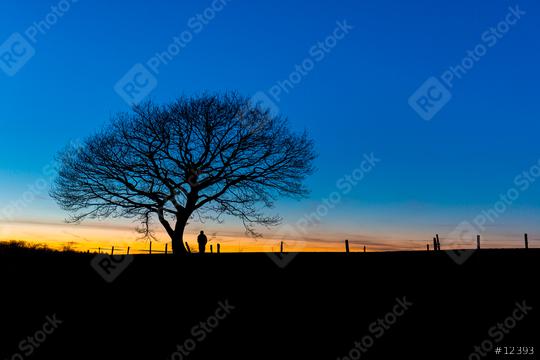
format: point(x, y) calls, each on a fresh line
point(94, 237)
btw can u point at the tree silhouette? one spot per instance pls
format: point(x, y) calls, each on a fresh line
point(204, 157)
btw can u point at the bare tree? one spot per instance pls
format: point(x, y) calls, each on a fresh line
point(204, 157)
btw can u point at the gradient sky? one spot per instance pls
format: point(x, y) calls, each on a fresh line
point(432, 175)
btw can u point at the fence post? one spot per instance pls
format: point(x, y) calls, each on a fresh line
point(112, 251)
point(478, 242)
point(438, 242)
point(150, 250)
point(364, 248)
point(435, 244)
point(526, 241)
point(218, 248)
point(166, 249)
point(281, 248)
point(347, 246)
point(128, 250)
point(211, 249)
point(99, 250)
point(188, 249)
point(427, 247)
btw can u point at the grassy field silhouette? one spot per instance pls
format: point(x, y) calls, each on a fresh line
point(318, 306)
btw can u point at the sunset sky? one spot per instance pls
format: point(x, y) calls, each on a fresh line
point(346, 71)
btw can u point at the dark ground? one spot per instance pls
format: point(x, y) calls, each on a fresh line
point(314, 308)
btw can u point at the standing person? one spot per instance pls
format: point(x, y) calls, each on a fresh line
point(202, 240)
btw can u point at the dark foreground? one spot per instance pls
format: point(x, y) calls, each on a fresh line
point(232, 306)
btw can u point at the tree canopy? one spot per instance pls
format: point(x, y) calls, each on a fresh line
point(205, 157)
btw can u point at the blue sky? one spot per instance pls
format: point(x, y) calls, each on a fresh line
point(354, 101)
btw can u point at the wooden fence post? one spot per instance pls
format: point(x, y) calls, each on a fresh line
point(188, 249)
point(211, 249)
point(478, 242)
point(427, 247)
point(166, 249)
point(347, 246)
point(281, 248)
point(438, 242)
point(150, 250)
point(112, 251)
point(526, 241)
point(128, 250)
point(99, 250)
point(364, 248)
point(218, 248)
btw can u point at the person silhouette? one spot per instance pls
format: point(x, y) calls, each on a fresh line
point(202, 240)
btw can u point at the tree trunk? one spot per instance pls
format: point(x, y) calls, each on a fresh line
point(178, 247)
